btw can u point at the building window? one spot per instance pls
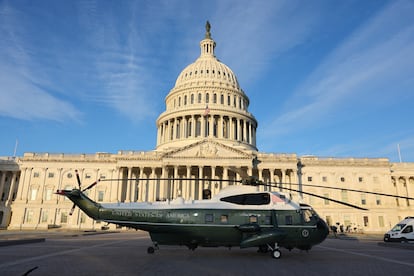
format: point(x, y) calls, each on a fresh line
point(324, 179)
point(381, 221)
point(344, 196)
point(207, 98)
point(44, 216)
point(378, 200)
point(185, 99)
point(101, 195)
point(64, 217)
point(309, 178)
point(199, 98)
point(326, 201)
point(33, 194)
point(48, 195)
point(192, 99)
point(88, 175)
point(342, 179)
point(70, 175)
point(224, 218)
point(360, 179)
point(366, 221)
point(363, 200)
point(222, 99)
point(82, 218)
point(51, 175)
point(36, 174)
point(29, 216)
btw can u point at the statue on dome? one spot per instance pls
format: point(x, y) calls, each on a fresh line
point(208, 27)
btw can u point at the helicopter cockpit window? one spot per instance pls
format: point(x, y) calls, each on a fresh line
point(248, 199)
point(307, 215)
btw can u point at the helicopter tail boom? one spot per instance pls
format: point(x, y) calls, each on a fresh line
point(90, 207)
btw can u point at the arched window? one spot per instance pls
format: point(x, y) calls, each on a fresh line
point(214, 98)
point(192, 99)
point(207, 98)
point(199, 98)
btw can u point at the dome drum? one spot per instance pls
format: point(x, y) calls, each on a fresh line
point(206, 102)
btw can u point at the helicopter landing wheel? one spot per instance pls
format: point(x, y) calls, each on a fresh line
point(276, 254)
point(150, 250)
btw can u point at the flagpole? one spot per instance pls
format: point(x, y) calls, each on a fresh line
point(15, 148)
point(399, 152)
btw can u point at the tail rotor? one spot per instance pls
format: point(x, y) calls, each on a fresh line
point(80, 188)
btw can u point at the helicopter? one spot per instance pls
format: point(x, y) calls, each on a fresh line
point(239, 215)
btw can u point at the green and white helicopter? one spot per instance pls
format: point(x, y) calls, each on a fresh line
point(239, 215)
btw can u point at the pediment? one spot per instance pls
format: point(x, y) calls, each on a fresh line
point(208, 149)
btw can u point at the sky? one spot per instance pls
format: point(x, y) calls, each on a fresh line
point(324, 78)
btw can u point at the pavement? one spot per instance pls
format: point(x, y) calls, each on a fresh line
point(379, 238)
point(15, 237)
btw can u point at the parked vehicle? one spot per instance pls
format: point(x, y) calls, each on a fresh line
point(401, 232)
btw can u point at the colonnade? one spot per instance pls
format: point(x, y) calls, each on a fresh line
point(404, 186)
point(214, 126)
point(165, 183)
point(8, 180)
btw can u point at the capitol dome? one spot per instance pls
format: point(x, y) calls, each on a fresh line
point(206, 103)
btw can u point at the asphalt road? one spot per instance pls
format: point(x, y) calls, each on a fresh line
point(125, 253)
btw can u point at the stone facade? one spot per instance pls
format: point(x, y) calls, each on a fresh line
point(205, 135)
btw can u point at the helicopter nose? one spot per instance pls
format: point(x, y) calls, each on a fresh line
point(323, 227)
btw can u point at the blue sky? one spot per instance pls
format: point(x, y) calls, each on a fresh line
point(324, 78)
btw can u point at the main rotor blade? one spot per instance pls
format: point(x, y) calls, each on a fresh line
point(345, 189)
point(323, 197)
point(173, 179)
point(90, 186)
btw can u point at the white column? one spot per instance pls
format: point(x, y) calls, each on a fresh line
point(175, 185)
point(140, 184)
point(2, 182)
point(150, 185)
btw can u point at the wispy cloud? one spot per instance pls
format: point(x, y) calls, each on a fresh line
point(24, 87)
point(364, 70)
point(255, 34)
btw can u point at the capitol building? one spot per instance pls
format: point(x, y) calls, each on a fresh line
point(205, 135)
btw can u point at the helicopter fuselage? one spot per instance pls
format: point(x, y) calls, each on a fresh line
point(237, 216)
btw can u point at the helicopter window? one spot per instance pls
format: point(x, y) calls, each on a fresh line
point(268, 220)
point(224, 218)
point(248, 199)
point(307, 215)
point(288, 220)
point(209, 218)
point(253, 219)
